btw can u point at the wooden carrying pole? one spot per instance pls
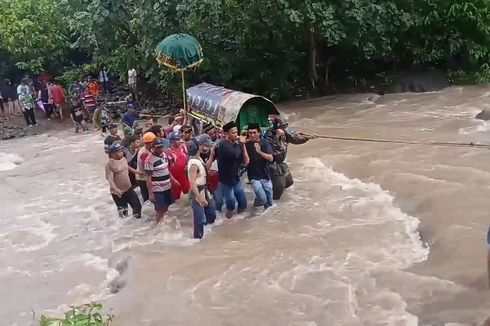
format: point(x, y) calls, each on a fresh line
point(184, 97)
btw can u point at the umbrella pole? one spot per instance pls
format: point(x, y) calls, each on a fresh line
point(183, 91)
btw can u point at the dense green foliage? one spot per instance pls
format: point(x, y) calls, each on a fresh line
point(276, 47)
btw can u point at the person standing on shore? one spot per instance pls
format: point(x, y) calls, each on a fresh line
point(231, 155)
point(159, 179)
point(132, 80)
point(104, 80)
point(10, 98)
point(203, 209)
point(143, 153)
point(117, 174)
point(44, 95)
point(59, 100)
point(27, 103)
point(30, 83)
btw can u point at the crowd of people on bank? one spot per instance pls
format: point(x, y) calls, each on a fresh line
point(51, 100)
point(167, 162)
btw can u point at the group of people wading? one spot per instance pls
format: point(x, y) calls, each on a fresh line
point(166, 162)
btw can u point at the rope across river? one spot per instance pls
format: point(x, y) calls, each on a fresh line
point(405, 142)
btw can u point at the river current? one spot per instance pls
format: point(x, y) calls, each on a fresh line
point(370, 233)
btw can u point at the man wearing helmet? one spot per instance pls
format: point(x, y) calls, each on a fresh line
point(280, 136)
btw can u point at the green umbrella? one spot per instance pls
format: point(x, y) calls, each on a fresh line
point(179, 52)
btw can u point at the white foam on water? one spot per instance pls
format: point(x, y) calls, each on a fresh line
point(353, 207)
point(327, 242)
point(93, 261)
point(9, 161)
point(479, 126)
point(372, 195)
point(4, 271)
point(35, 236)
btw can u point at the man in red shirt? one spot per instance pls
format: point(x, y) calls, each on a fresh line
point(179, 168)
point(59, 100)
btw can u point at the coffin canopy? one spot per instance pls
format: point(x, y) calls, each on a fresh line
point(220, 105)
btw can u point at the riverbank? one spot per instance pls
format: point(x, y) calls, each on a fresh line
point(15, 127)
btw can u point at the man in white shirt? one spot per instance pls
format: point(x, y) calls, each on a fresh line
point(132, 74)
point(202, 204)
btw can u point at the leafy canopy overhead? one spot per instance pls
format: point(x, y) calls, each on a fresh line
point(276, 48)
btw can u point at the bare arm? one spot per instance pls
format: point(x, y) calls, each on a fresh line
point(212, 157)
point(133, 170)
point(150, 190)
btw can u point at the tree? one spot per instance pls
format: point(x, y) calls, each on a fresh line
point(33, 33)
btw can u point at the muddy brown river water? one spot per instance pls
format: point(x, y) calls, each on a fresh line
point(370, 234)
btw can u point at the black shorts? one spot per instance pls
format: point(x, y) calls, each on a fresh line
point(163, 200)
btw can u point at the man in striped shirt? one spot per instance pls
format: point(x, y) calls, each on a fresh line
point(159, 181)
point(89, 103)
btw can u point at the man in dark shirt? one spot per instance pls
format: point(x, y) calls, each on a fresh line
point(231, 155)
point(78, 118)
point(130, 116)
point(113, 137)
point(260, 153)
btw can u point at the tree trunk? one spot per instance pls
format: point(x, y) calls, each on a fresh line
point(310, 38)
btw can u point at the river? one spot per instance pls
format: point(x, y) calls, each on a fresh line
point(370, 234)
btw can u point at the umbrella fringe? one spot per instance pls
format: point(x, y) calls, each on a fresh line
point(167, 61)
